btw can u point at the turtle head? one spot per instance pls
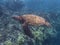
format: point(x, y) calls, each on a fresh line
point(18, 18)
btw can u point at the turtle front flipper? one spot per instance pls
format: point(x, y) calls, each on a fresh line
point(27, 31)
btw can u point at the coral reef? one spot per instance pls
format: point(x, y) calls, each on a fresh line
point(11, 31)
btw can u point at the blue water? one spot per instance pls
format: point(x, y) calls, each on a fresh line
point(43, 5)
point(36, 5)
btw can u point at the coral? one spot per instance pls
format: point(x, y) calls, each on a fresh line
point(11, 31)
point(8, 42)
point(20, 39)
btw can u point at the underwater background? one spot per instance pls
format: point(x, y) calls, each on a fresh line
point(11, 32)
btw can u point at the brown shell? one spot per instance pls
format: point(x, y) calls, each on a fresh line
point(35, 20)
point(31, 19)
